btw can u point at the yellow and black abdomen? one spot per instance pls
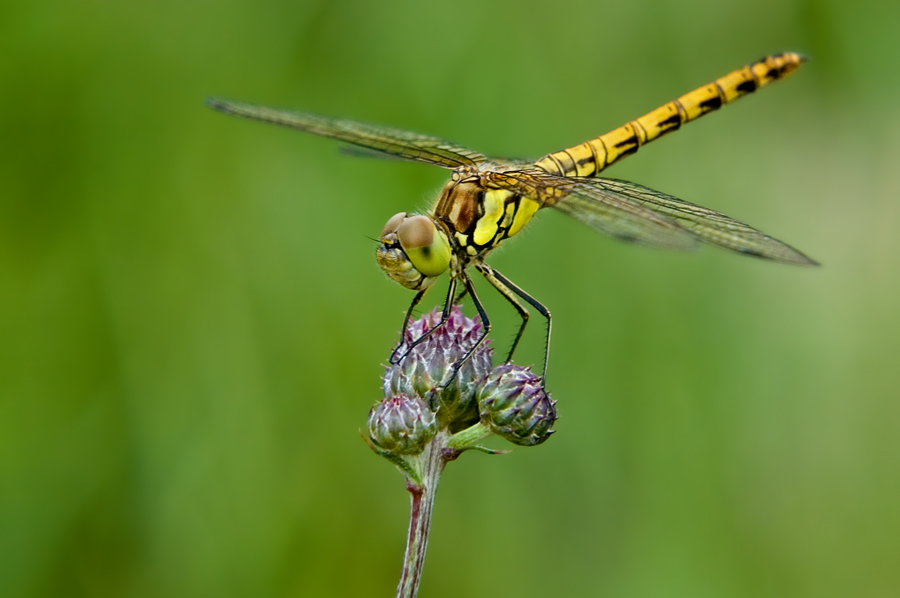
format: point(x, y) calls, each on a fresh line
point(591, 157)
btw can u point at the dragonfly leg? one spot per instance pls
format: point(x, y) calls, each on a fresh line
point(509, 290)
point(486, 323)
point(412, 306)
point(507, 293)
point(448, 303)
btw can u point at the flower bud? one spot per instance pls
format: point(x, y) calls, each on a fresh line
point(402, 425)
point(514, 403)
point(425, 370)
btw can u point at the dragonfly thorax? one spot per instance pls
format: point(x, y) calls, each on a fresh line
point(481, 215)
point(413, 251)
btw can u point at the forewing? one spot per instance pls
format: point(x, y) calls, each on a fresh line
point(382, 140)
point(707, 225)
point(608, 212)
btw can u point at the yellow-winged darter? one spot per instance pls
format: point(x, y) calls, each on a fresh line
point(488, 200)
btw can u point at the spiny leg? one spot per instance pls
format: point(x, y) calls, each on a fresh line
point(448, 303)
point(470, 289)
point(491, 277)
point(406, 318)
point(505, 286)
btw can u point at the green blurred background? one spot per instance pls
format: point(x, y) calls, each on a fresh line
point(192, 325)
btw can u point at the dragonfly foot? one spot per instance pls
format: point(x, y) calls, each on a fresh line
point(395, 359)
point(443, 385)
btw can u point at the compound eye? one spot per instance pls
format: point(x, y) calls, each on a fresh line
point(393, 224)
point(425, 246)
point(414, 232)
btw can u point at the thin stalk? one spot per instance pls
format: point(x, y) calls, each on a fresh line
point(421, 504)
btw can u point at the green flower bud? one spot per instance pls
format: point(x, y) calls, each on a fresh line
point(425, 370)
point(515, 405)
point(401, 425)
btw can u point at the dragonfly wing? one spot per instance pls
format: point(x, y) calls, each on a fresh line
point(608, 212)
point(707, 225)
point(388, 141)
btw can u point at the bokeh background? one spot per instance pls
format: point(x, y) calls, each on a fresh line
point(192, 325)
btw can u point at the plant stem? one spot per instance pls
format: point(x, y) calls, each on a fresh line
point(467, 438)
point(421, 504)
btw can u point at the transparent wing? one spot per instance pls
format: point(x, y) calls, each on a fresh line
point(384, 140)
point(637, 214)
point(610, 213)
point(707, 225)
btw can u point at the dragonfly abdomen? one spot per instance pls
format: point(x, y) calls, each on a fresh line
point(592, 156)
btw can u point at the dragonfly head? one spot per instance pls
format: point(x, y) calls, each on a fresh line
point(413, 251)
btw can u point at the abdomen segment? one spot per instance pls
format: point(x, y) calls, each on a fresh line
point(592, 156)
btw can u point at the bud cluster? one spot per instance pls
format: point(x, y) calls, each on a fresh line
point(427, 370)
point(424, 392)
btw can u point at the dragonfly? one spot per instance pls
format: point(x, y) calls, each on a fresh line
point(489, 200)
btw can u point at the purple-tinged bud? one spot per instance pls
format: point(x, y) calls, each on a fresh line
point(425, 370)
point(401, 425)
point(516, 406)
